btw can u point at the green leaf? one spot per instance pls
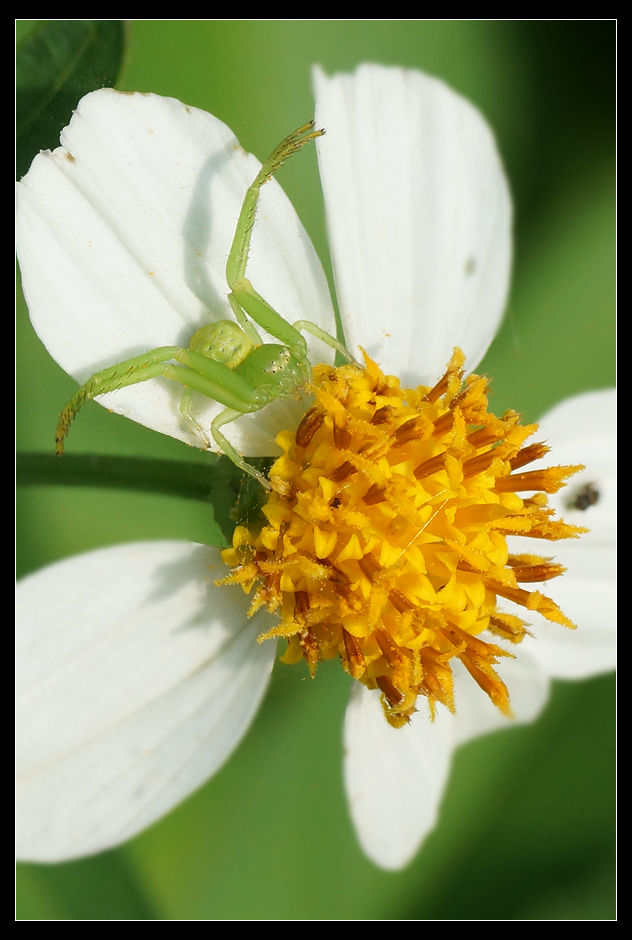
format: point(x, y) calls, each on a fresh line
point(57, 63)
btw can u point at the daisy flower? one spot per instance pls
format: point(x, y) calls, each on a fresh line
point(397, 536)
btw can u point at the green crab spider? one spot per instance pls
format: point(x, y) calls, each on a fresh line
point(226, 360)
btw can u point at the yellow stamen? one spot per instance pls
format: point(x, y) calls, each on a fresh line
point(385, 537)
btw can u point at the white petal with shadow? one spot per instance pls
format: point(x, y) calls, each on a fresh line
point(419, 218)
point(123, 234)
point(579, 430)
point(395, 777)
point(137, 677)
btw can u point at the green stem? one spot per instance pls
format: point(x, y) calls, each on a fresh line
point(200, 481)
point(234, 496)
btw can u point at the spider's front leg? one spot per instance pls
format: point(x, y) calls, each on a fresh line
point(243, 296)
point(196, 371)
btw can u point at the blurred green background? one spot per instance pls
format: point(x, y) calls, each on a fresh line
point(527, 824)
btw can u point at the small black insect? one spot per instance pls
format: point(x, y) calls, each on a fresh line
point(586, 496)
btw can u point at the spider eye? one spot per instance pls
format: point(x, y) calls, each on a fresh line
point(280, 363)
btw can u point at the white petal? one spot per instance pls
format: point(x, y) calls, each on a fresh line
point(580, 430)
point(475, 714)
point(395, 778)
point(136, 679)
point(419, 218)
point(123, 235)
point(589, 650)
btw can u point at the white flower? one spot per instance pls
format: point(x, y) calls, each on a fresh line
point(137, 676)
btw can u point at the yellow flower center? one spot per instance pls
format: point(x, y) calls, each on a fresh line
point(385, 542)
